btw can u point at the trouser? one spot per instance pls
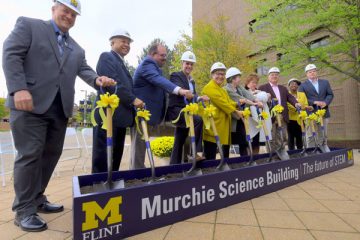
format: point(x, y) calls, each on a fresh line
point(210, 150)
point(294, 135)
point(99, 151)
point(321, 139)
point(181, 134)
point(39, 140)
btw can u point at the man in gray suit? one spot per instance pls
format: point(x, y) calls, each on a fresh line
point(41, 62)
point(319, 95)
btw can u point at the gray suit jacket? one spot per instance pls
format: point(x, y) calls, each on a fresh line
point(325, 93)
point(31, 61)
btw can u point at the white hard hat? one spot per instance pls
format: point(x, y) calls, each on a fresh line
point(188, 56)
point(274, 70)
point(217, 66)
point(121, 33)
point(233, 71)
point(294, 80)
point(310, 67)
point(72, 4)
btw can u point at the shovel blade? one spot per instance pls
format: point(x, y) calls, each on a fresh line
point(282, 154)
point(223, 167)
point(194, 172)
point(324, 148)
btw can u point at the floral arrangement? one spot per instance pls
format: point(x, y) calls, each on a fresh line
point(162, 146)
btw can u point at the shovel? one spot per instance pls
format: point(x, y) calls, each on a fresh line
point(303, 134)
point(223, 166)
point(282, 154)
point(193, 171)
point(109, 184)
point(248, 139)
point(266, 133)
point(148, 149)
point(323, 146)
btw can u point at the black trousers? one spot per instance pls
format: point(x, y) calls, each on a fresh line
point(239, 138)
point(181, 134)
point(294, 135)
point(39, 139)
point(210, 150)
point(99, 151)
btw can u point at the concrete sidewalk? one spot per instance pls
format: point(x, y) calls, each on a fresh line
point(327, 207)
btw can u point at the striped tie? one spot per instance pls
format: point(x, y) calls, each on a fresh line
point(60, 40)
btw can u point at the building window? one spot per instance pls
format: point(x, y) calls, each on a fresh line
point(320, 42)
point(261, 69)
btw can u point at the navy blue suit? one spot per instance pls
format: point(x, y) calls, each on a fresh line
point(151, 87)
point(325, 93)
point(176, 103)
point(111, 65)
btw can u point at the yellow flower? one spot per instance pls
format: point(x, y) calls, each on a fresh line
point(313, 117)
point(162, 146)
point(303, 115)
point(191, 108)
point(277, 110)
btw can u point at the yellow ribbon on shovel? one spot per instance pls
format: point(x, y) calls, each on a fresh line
point(106, 101)
point(189, 109)
point(276, 111)
point(321, 113)
point(206, 114)
point(144, 114)
point(264, 116)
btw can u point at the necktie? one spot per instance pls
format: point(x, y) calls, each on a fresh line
point(61, 41)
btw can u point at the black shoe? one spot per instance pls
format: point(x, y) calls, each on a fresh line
point(31, 223)
point(47, 207)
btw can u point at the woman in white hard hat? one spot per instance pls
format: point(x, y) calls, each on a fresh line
point(293, 127)
point(240, 95)
point(225, 107)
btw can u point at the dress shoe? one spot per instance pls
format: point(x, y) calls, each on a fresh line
point(31, 223)
point(47, 207)
point(199, 158)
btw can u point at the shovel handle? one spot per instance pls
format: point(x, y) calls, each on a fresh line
point(109, 130)
point(145, 130)
point(102, 89)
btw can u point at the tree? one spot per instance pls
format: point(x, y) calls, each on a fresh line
point(213, 42)
point(287, 27)
point(166, 68)
point(4, 111)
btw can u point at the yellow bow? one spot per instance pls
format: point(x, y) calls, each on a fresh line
point(302, 115)
point(265, 116)
point(277, 110)
point(321, 112)
point(189, 109)
point(144, 114)
point(206, 114)
point(313, 117)
point(246, 113)
point(106, 100)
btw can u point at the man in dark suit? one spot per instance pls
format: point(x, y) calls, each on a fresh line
point(319, 95)
point(151, 87)
point(41, 62)
point(282, 95)
point(111, 64)
point(184, 80)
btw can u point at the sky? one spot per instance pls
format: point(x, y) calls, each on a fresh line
point(144, 20)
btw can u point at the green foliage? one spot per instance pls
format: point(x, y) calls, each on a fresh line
point(162, 146)
point(166, 68)
point(291, 26)
point(215, 43)
point(4, 111)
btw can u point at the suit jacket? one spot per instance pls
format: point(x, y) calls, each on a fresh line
point(151, 87)
point(31, 61)
point(176, 102)
point(111, 65)
point(325, 93)
point(285, 97)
